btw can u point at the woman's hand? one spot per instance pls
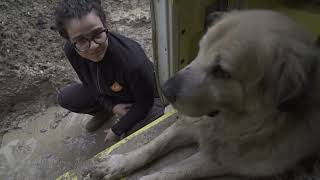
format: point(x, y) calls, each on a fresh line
point(121, 109)
point(111, 137)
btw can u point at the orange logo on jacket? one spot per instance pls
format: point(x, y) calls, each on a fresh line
point(116, 87)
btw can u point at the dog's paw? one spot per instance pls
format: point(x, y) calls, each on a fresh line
point(148, 177)
point(110, 168)
point(155, 176)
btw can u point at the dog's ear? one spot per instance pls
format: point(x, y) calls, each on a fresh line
point(290, 84)
point(291, 76)
point(318, 42)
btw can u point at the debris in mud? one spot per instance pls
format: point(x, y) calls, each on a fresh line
point(43, 130)
point(55, 124)
point(8, 129)
point(62, 114)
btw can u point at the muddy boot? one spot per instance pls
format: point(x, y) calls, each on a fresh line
point(98, 120)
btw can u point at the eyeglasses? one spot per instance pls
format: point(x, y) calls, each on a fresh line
point(84, 43)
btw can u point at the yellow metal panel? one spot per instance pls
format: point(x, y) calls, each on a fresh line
point(305, 13)
point(67, 176)
point(310, 20)
point(191, 17)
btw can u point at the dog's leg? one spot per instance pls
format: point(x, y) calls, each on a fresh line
point(119, 165)
point(195, 167)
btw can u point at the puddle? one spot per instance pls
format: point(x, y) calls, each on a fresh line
point(53, 142)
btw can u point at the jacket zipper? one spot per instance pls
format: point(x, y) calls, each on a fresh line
point(98, 84)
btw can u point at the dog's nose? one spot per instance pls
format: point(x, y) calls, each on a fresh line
point(170, 90)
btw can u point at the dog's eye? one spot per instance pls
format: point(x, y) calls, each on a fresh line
point(220, 73)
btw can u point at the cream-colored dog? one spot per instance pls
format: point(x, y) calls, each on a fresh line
point(252, 100)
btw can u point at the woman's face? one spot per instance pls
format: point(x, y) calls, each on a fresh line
point(88, 36)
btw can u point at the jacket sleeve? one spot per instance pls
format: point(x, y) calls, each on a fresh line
point(141, 85)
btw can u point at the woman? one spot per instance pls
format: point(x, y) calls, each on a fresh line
point(117, 78)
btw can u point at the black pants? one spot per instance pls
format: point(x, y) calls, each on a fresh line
point(79, 99)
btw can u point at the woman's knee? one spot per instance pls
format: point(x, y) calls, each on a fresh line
point(76, 98)
point(61, 100)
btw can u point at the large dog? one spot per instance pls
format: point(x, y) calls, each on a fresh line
point(252, 100)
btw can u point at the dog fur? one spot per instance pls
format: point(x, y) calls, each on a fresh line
point(251, 100)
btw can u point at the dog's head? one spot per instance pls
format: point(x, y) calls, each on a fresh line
point(248, 61)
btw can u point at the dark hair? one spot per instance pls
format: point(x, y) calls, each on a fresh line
point(69, 9)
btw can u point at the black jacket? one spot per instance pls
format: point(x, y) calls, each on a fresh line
point(125, 63)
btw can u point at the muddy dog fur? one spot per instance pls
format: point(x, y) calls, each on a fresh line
point(250, 100)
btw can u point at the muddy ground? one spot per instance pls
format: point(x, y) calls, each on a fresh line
point(32, 68)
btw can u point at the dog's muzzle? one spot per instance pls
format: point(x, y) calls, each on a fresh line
point(213, 113)
point(171, 88)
